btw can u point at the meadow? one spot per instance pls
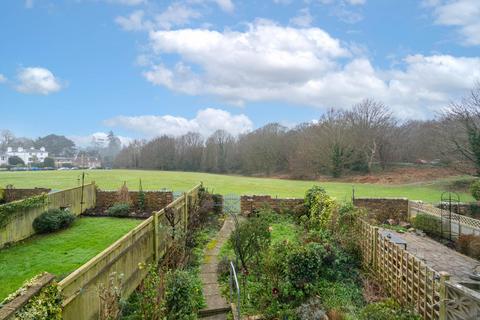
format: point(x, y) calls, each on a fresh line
point(59, 253)
point(224, 184)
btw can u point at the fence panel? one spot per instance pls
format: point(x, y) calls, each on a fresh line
point(402, 275)
point(20, 227)
point(148, 242)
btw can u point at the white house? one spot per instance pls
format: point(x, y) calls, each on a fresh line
point(27, 155)
point(3, 159)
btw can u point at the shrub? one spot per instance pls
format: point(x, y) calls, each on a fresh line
point(320, 207)
point(475, 189)
point(53, 220)
point(387, 310)
point(119, 210)
point(429, 224)
point(250, 239)
point(304, 265)
point(141, 197)
point(183, 295)
point(469, 245)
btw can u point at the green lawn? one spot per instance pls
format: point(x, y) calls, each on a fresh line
point(225, 184)
point(58, 253)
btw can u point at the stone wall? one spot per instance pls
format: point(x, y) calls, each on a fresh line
point(249, 204)
point(385, 208)
point(13, 194)
point(154, 200)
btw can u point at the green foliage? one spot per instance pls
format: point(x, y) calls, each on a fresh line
point(183, 295)
point(9, 210)
point(475, 190)
point(49, 162)
point(46, 305)
point(15, 161)
point(304, 265)
point(250, 239)
point(387, 310)
point(141, 197)
point(429, 224)
point(119, 210)
point(53, 220)
point(320, 208)
point(2, 195)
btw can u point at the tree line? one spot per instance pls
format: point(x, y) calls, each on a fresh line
point(359, 139)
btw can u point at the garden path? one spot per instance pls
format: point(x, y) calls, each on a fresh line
point(439, 257)
point(217, 307)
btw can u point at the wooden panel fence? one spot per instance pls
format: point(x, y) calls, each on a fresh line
point(403, 276)
point(20, 226)
point(147, 243)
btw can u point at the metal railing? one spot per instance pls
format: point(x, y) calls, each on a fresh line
point(234, 282)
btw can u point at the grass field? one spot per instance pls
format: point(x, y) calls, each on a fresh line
point(225, 184)
point(59, 253)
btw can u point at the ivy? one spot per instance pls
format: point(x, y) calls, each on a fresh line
point(9, 210)
point(46, 305)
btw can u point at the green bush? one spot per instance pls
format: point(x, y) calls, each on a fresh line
point(475, 189)
point(429, 224)
point(53, 220)
point(304, 265)
point(183, 295)
point(320, 208)
point(119, 210)
point(387, 310)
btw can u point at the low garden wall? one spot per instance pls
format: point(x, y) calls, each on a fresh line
point(16, 217)
point(14, 194)
point(127, 258)
point(250, 204)
point(154, 200)
point(385, 208)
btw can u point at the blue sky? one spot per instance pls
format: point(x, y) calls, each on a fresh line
point(143, 67)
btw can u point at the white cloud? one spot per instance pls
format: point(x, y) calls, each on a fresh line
point(225, 5)
point(302, 19)
point(303, 66)
point(99, 138)
point(3, 79)
point(464, 14)
point(174, 15)
point(206, 122)
point(36, 80)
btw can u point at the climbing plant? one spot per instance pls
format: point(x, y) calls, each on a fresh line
point(9, 210)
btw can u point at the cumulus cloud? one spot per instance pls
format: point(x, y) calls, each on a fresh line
point(3, 79)
point(225, 5)
point(37, 80)
point(303, 66)
point(463, 14)
point(206, 122)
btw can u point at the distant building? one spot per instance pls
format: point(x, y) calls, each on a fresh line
point(84, 161)
point(3, 159)
point(63, 162)
point(28, 156)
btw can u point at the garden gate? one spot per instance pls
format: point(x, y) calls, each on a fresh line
point(231, 204)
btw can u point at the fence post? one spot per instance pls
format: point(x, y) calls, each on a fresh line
point(155, 237)
point(444, 276)
point(186, 211)
point(374, 245)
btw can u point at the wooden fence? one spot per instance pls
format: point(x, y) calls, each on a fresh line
point(126, 258)
point(412, 283)
point(77, 199)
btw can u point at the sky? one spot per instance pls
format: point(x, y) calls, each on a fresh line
point(143, 68)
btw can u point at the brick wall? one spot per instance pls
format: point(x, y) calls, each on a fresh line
point(14, 194)
point(154, 200)
point(249, 204)
point(385, 208)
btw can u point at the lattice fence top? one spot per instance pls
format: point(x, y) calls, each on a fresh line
point(432, 210)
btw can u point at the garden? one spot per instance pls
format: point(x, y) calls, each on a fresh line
point(304, 264)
